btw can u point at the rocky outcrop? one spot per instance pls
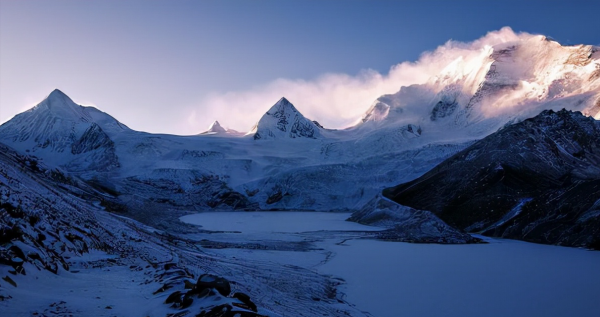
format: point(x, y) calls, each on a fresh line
point(212, 288)
point(407, 224)
point(37, 226)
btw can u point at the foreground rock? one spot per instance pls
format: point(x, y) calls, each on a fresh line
point(211, 289)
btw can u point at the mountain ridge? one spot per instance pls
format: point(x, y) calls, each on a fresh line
point(537, 180)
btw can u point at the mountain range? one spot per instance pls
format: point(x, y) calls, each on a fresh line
point(504, 144)
point(279, 164)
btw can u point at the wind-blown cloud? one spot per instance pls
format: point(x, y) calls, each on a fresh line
point(339, 100)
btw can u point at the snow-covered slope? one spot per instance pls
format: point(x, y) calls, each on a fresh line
point(283, 120)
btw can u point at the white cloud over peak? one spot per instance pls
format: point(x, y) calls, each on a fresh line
point(339, 100)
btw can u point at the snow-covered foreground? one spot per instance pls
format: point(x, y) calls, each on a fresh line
point(502, 278)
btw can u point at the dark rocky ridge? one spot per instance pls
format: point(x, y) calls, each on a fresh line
point(407, 224)
point(537, 180)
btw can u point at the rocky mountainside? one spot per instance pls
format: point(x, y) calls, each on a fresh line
point(61, 254)
point(537, 180)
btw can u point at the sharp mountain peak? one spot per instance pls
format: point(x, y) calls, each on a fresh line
point(216, 127)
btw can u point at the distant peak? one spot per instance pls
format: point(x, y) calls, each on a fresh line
point(283, 120)
point(283, 101)
point(56, 93)
point(216, 127)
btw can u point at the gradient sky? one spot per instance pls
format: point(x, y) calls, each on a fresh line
point(153, 64)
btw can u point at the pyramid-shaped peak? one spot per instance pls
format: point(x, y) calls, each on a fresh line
point(282, 121)
point(58, 98)
point(283, 106)
point(57, 93)
point(218, 130)
point(216, 127)
point(59, 104)
point(283, 101)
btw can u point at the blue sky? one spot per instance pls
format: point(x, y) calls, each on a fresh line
point(155, 65)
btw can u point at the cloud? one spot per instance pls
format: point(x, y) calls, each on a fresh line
point(339, 100)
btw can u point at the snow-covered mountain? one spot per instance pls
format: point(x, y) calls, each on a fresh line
point(64, 133)
point(477, 94)
point(216, 129)
point(283, 120)
point(302, 165)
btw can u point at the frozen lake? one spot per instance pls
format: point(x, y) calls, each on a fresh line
point(502, 278)
point(274, 221)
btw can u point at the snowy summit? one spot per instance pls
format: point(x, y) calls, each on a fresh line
point(283, 121)
point(217, 129)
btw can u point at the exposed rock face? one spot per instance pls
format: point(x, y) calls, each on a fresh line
point(443, 108)
point(100, 147)
point(537, 180)
point(448, 102)
point(284, 121)
point(378, 112)
point(408, 224)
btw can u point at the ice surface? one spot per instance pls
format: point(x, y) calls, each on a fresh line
point(392, 279)
point(503, 278)
point(266, 222)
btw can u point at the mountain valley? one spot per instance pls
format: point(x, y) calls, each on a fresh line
point(503, 143)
